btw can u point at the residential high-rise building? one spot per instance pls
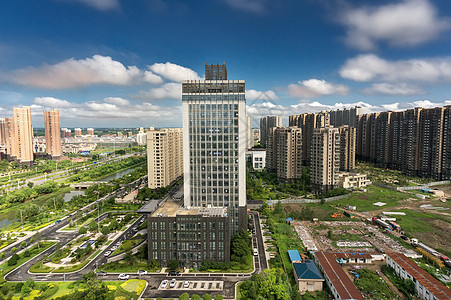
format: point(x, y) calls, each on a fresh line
point(250, 132)
point(9, 138)
point(266, 123)
point(22, 135)
point(284, 152)
point(214, 144)
point(52, 132)
point(90, 131)
point(325, 159)
point(345, 116)
point(2, 132)
point(77, 131)
point(308, 122)
point(164, 156)
point(347, 148)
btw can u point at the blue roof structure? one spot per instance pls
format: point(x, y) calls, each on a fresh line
point(294, 255)
point(307, 270)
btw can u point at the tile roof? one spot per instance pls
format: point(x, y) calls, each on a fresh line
point(430, 283)
point(342, 283)
point(307, 270)
point(294, 255)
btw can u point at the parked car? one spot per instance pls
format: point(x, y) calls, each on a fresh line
point(173, 273)
point(164, 284)
point(113, 248)
point(101, 273)
point(141, 272)
point(107, 253)
point(123, 276)
point(186, 284)
point(255, 252)
point(173, 282)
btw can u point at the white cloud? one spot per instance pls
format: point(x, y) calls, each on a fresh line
point(152, 78)
point(253, 6)
point(76, 73)
point(51, 102)
point(261, 95)
point(406, 23)
point(371, 67)
point(100, 4)
point(117, 101)
point(401, 89)
point(166, 91)
point(313, 88)
point(173, 72)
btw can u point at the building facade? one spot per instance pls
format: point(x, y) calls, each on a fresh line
point(266, 123)
point(164, 156)
point(325, 159)
point(284, 153)
point(256, 158)
point(214, 144)
point(189, 236)
point(22, 137)
point(347, 148)
point(52, 133)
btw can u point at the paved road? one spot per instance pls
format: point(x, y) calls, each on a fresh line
point(257, 241)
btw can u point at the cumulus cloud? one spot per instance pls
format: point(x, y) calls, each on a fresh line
point(152, 78)
point(252, 6)
point(261, 95)
point(76, 73)
point(166, 91)
point(401, 89)
point(99, 4)
point(117, 101)
point(313, 88)
point(51, 102)
point(173, 72)
point(369, 67)
point(406, 23)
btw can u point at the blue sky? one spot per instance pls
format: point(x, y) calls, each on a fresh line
point(117, 63)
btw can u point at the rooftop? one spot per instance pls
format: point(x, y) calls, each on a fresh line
point(173, 208)
point(307, 270)
point(294, 255)
point(433, 285)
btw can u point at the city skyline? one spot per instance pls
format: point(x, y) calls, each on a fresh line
point(122, 65)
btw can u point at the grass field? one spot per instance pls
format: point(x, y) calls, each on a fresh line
point(364, 200)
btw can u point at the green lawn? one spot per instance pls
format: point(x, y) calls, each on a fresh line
point(127, 245)
point(124, 267)
point(364, 200)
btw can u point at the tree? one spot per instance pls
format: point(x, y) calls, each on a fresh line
point(241, 245)
point(105, 230)
point(218, 297)
point(2, 255)
point(93, 226)
point(37, 238)
point(130, 258)
point(13, 249)
point(173, 264)
point(13, 259)
point(30, 184)
point(23, 244)
point(195, 297)
point(82, 230)
point(184, 296)
point(206, 297)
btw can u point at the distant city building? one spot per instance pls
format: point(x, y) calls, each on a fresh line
point(416, 141)
point(347, 148)
point(164, 156)
point(256, 158)
point(250, 132)
point(52, 133)
point(266, 123)
point(325, 159)
point(90, 131)
point(284, 155)
point(77, 132)
point(22, 135)
point(308, 122)
point(119, 134)
point(141, 138)
point(345, 116)
point(214, 144)
point(256, 135)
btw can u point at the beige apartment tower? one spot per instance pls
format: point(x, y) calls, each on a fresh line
point(325, 159)
point(284, 154)
point(164, 156)
point(52, 132)
point(22, 135)
point(347, 148)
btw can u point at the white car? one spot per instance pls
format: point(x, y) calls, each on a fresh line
point(107, 253)
point(123, 276)
point(173, 282)
point(113, 248)
point(255, 252)
point(186, 284)
point(141, 272)
point(164, 284)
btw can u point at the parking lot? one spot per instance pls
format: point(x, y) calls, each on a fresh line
point(192, 285)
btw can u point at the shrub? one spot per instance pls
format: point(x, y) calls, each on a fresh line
point(13, 260)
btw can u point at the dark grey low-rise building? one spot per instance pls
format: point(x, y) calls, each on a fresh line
point(189, 235)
